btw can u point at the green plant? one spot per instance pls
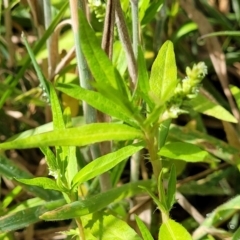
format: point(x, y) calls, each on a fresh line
point(141, 112)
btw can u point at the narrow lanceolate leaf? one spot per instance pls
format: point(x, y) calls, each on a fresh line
point(143, 229)
point(163, 78)
point(80, 136)
point(104, 163)
point(171, 188)
point(42, 182)
point(183, 151)
point(98, 101)
point(203, 105)
point(10, 170)
point(25, 217)
point(171, 230)
point(101, 67)
point(97, 202)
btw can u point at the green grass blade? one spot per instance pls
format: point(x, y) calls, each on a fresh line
point(12, 81)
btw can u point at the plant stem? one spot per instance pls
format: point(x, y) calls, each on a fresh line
point(152, 143)
point(127, 45)
point(80, 228)
point(135, 30)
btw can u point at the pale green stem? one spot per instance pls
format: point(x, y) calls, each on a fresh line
point(135, 25)
point(47, 22)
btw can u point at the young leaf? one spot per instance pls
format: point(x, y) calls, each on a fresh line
point(42, 182)
point(163, 78)
point(203, 105)
point(171, 188)
point(171, 230)
point(80, 136)
point(183, 151)
point(96, 202)
point(104, 163)
point(163, 131)
point(143, 229)
point(51, 161)
point(99, 101)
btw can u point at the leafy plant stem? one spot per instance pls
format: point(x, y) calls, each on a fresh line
point(80, 228)
point(152, 146)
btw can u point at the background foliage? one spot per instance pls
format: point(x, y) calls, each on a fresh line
point(207, 186)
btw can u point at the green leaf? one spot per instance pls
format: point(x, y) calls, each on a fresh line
point(151, 11)
point(160, 205)
point(80, 136)
point(143, 229)
point(163, 131)
point(183, 151)
point(171, 188)
point(236, 93)
point(42, 182)
point(51, 161)
point(98, 101)
point(163, 78)
point(143, 78)
point(25, 217)
point(105, 163)
point(10, 170)
point(204, 105)
point(108, 227)
point(236, 235)
point(100, 65)
point(96, 202)
point(211, 144)
point(171, 230)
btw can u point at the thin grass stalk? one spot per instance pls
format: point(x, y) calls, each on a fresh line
point(47, 22)
point(8, 34)
point(137, 157)
point(126, 42)
point(135, 26)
